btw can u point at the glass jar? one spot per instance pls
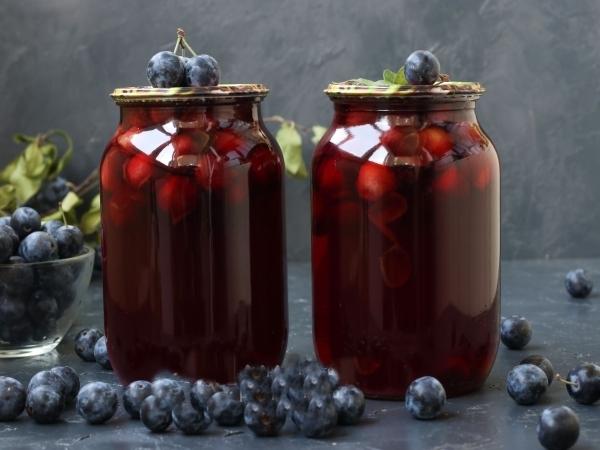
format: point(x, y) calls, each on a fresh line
point(193, 237)
point(405, 238)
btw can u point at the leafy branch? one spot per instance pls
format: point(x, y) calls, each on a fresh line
point(289, 138)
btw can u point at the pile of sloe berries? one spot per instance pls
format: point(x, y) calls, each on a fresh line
point(526, 383)
point(34, 298)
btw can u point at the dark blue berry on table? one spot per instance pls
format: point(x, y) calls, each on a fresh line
point(422, 67)
point(425, 398)
point(44, 404)
point(543, 363)
point(515, 332)
point(578, 283)
point(166, 70)
point(155, 414)
point(254, 391)
point(350, 404)
point(133, 396)
point(526, 383)
point(6, 246)
point(51, 226)
point(558, 428)
point(255, 373)
point(226, 409)
point(264, 419)
point(169, 391)
point(318, 383)
point(320, 417)
point(201, 392)
point(25, 220)
point(42, 308)
point(12, 399)
point(85, 341)
point(202, 70)
point(70, 241)
point(51, 380)
point(279, 386)
point(189, 420)
point(12, 309)
point(70, 379)
point(97, 402)
point(5, 220)
point(38, 246)
point(101, 353)
point(584, 383)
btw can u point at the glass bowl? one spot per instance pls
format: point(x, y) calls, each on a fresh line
point(40, 301)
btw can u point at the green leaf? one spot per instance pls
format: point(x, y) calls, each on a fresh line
point(37, 160)
point(317, 133)
point(290, 141)
point(8, 199)
point(389, 76)
point(90, 221)
point(68, 205)
point(398, 78)
point(59, 164)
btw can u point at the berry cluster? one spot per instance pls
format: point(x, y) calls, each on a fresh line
point(526, 383)
point(33, 298)
point(167, 69)
point(46, 397)
point(90, 345)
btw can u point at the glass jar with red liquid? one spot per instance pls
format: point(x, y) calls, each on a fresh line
point(405, 238)
point(193, 238)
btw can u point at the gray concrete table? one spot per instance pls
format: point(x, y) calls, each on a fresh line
point(564, 330)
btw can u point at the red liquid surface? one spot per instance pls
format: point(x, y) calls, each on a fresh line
point(405, 250)
point(193, 243)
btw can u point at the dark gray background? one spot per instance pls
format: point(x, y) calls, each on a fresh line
point(539, 60)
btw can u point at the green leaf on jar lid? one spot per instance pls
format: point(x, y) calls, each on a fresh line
point(290, 141)
point(397, 78)
point(317, 133)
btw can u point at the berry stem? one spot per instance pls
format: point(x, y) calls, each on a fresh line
point(562, 380)
point(182, 43)
point(62, 212)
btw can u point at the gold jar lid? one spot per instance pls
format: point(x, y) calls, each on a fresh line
point(222, 92)
point(358, 89)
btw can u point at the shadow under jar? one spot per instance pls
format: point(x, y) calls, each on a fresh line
point(193, 241)
point(405, 239)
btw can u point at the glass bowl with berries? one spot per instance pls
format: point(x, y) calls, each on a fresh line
point(193, 240)
point(45, 270)
point(406, 233)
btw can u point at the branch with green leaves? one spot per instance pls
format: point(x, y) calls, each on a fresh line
point(289, 137)
point(38, 166)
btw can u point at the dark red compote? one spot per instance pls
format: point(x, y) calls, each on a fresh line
point(405, 238)
point(193, 237)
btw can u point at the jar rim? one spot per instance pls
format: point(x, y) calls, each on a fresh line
point(148, 94)
point(356, 89)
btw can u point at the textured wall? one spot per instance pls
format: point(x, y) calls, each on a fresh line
point(538, 59)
